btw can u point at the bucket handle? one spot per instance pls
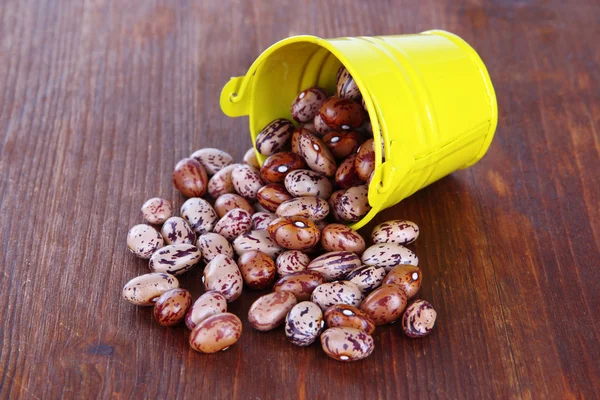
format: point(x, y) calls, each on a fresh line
point(233, 101)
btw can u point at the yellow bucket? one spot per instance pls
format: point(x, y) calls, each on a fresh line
point(428, 94)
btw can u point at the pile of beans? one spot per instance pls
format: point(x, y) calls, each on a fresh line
point(281, 226)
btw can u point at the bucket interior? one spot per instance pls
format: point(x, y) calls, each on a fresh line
point(284, 73)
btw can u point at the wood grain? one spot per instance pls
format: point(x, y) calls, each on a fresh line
point(98, 101)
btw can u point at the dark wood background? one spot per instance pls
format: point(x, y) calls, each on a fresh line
point(99, 99)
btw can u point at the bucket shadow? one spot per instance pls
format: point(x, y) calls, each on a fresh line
point(446, 201)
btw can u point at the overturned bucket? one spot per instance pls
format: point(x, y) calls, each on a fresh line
point(428, 94)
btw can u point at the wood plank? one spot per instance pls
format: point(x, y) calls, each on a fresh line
point(98, 101)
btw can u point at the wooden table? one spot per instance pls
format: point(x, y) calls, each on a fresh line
point(98, 101)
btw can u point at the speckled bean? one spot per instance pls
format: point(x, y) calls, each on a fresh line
point(257, 268)
point(272, 195)
point(389, 255)
point(320, 126)
point(408, 277)
point(176, 230)
point(340, 113)
point(261, 220)
point(367, 277)
point(143, 240)
point(199, 214)
point(347, 344)
point(256, 240)
point(346, 175)
point(418, 319)
point(190, 178)
point(316, 154)
point(354, 203)
point(310, 207)
point(300, 284)
point(223, 275)
point(294, 233)
point(396, 231)
point(144, 290)
point(171, 307)
point(346, 87)
point(304, 323)
point(216, 333)
point(304, 182)
point(269, 311)
point(157, 210)
point(365, 160)
point(220, 183)
point(335, 264)
point(333, 201)
point(274, 137)
point(339, 292)
point(246, 181)
point(295, 141)
point(385, 304)
point(234, 223)
point(213, 160)
point(343, 143)
point(277, 166)
point(212, 244)
point(250, 158)
point(175, 259)
point(348, 316)
point(307, 104)
point(291, 261)
point(207, 305)
point(230, 201)
point(338, 237)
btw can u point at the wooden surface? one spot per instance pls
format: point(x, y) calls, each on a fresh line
point(99, 99)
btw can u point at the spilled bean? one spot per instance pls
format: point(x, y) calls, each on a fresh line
point(234, 223)
point(144, 290)
point(143, 240)
point(190, 178)
point(171, 307)
point(389, 255)
point(230, 201)
point(213, 160)
point(216, 333)
point(199, 214)
point(223, 275)
point(175, 259)
point(310, 207)
point(256, 240)
point(269, 311)
point(348, 316)
point(347, 344)
point(301, 284)
point(291, 261)
point(212, 244)
point(176, 230)
point(385, 304)
point(304, 323)
point(157, 210)
point(339, 292)
point(257, 269)
point(207, 305)
point(335, 264)
point(419, 319)
point(408, 277)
